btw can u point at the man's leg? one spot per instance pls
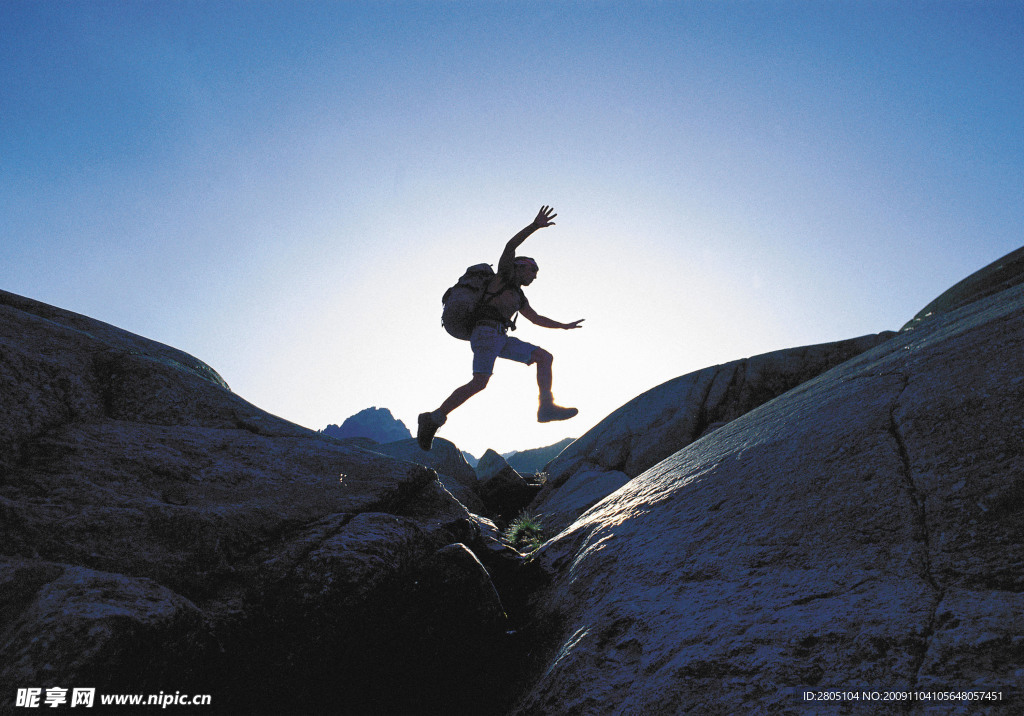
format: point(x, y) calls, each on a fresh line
point(428, 423)
point(548, 411)
point(486, 343)
point(463, 393)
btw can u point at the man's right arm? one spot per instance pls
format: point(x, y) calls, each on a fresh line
point(508, 256)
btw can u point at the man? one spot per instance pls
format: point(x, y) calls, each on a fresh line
point(502, 299)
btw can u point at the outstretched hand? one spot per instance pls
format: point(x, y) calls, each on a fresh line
point(544, 217)
point(574, 324)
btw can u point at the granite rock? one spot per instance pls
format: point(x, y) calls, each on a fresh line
point(861, 532)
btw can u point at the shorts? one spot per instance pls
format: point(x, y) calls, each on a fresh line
point(489, 343)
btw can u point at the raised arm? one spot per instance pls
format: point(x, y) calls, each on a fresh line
point(508, 256)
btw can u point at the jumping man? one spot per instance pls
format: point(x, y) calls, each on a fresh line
point(502, 299)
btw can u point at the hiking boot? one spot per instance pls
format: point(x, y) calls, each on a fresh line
point(549, 412)
point(427, 425)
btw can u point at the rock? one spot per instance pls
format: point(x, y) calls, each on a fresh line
point(59, 367)
point(665, 419)
point(490, 464)
point(503, 491)
point(528, 462)
point(455, 628)
point(461, 613)
point(999, 275)
point(443, 456)
point(157, 531)
point(335, 612)
point(456, 575)
point(66, 625)
point(454, 473)
point(862, 532)
point(561, 507)
point(377, 424)
point(96, 494)
point(375, 606)
point(785, 523)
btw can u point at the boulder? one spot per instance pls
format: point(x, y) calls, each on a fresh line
point(443, 457)
point(670, 416)
point(860, 533)
point(67, 625)
point(158, 531)
point(337, 592)
point(460, 626)
point(490, 464)
point(459, 585)
point(504, 492)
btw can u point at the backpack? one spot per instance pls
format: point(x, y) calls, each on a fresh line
point(461, 300)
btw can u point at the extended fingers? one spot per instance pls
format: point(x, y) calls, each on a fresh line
point(546, 214)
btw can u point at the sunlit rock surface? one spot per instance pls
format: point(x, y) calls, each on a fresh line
point(862, 531)
point(665, 419)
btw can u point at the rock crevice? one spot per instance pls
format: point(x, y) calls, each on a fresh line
point(922, 532)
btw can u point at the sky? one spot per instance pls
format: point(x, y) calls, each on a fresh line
point(285, 189)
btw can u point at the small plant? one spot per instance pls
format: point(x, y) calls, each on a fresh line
point(526, 532)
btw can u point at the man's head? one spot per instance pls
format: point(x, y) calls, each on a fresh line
point(526, 270)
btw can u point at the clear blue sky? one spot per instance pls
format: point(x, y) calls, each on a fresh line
point(284, 189)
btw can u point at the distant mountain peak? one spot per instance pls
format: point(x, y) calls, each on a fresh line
point(374, 423)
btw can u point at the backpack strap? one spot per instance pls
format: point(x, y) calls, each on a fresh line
point(504, 285)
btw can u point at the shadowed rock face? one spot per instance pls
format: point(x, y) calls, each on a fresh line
point(861, 532)
point(157, 531)
point(443, 456)
point(503, 491)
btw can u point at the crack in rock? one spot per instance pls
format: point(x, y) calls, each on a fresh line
point(921, 532)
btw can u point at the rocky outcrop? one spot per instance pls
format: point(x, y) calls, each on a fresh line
point(669, 417)
point(560, 507)
point(159, 532)
point(528, 462)
point(443, 456)
point(454, 473)
point(504, 492)
point(377, 424)
point(862, 532)
point(71, 625)
point(998, 276)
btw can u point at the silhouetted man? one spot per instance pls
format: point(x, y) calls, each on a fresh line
point(502, 299)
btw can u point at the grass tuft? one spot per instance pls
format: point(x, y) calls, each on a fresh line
point(526, 532)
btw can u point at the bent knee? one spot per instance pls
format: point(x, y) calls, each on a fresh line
point(479, 381)
point(541, 357)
